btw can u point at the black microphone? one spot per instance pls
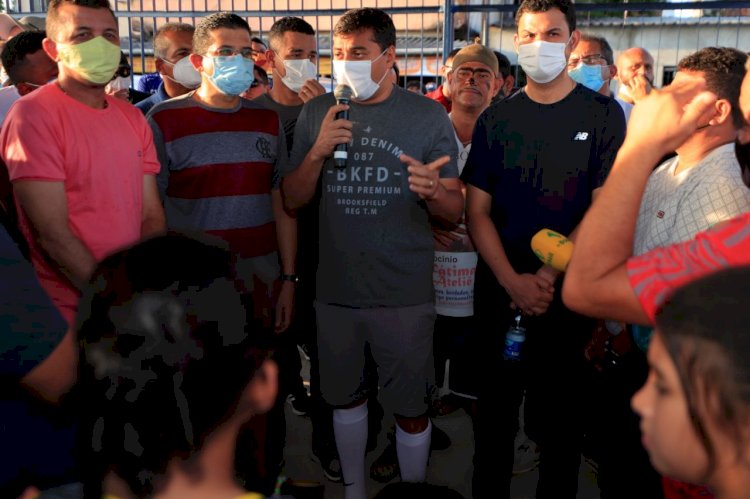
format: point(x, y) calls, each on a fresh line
point(343, 95)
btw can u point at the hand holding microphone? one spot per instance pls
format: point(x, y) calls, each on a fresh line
point(532, 293)
point(333, 132)
point(343, 96)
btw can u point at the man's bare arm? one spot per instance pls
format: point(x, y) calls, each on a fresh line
point(46, 207)
point(530, 292)
point(56, 374)
point(298, 187)
point(596, 281)
point(286, 233)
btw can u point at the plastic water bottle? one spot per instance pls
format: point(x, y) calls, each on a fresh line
point(514, 340)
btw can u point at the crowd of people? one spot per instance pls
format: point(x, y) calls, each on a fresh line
point(165, 256)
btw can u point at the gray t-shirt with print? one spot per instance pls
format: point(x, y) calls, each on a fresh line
point(376, 245)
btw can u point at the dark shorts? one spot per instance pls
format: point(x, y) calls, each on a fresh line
point(400, 340)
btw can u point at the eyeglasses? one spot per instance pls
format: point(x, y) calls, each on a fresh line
point(591, 60)
point(478, 74)
point(246, 52)
point(255, 84)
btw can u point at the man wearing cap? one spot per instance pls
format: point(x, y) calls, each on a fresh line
point(473, 82)
point(535, 160)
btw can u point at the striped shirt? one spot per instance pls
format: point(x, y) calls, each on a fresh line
point(219, 167)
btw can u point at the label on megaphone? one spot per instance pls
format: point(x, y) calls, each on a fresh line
point(552, 248)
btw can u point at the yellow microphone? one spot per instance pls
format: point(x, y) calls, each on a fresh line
point(552, 248)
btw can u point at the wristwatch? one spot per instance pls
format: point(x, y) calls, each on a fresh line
point(290, 277)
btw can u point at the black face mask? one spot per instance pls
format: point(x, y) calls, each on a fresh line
point(742, 151)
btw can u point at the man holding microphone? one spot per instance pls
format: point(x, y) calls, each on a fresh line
point(374, 283)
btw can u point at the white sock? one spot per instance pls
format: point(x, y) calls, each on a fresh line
point(413, 450)
point(350, 430)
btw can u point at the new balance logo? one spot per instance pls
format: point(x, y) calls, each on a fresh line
point(581, 136)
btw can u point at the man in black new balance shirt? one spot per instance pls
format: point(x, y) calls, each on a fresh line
point(535, 161)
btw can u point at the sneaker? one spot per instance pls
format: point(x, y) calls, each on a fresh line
point(526, 458)
point(300, 404)
point(331, 467)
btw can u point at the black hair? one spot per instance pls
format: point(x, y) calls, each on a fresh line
point(742, 151)
point(503, 63)
point(262, 74)
point(604, 47)
point(723, 69)
point(52, 23)
point(564, 6)
point(160, 40)
point(290, 23)
point(381, 24)
point(705, 332)
point(165, 353)
point(124, 70)
point(453, 53)
point(257, 39)
point(218, 20)
point(16, 49)
point(415, 84)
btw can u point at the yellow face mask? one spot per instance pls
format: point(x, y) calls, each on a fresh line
point(96, 60)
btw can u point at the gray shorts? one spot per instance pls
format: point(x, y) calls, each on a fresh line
point(401, 343)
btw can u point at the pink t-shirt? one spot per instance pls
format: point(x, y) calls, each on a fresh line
point(100, 155)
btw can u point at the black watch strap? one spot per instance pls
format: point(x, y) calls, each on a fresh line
point(289, 277)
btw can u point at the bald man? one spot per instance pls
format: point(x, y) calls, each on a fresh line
point(635, 73)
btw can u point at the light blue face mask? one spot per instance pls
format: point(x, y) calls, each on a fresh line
point(590, 76)
point(232, 74)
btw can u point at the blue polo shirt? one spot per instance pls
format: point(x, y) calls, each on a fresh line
point(146, 104)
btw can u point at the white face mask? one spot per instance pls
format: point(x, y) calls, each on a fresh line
point(542, 61)
point(298, 71)
point(184, 73)
point(119, 83)
point(357, 75)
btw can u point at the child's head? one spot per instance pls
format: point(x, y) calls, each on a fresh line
point(695, 405)
point(165, 359)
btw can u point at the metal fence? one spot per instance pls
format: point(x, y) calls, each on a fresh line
point(429, 29)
